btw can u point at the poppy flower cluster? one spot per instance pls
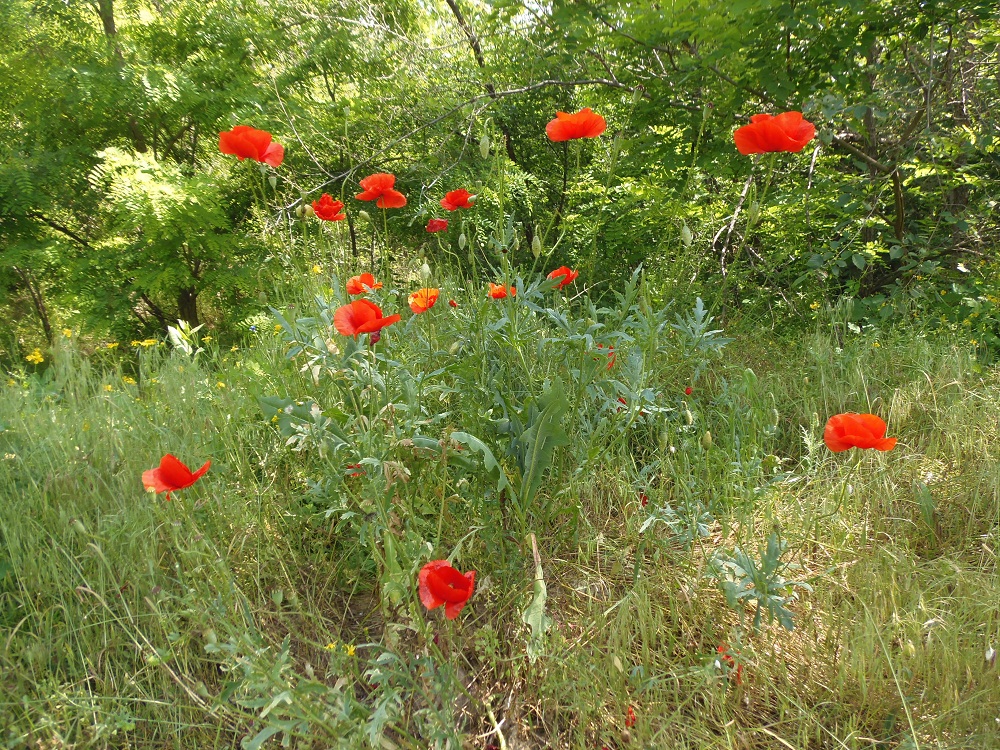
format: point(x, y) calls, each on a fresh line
point(583, 124)
point(245, 142)
point(423, 300)
point(499, 291)
point(361, 316)
point(379, 187)
point(171, 475)
point(565, 275)
point(440, 583)
point(456, 199)
point(327, 209)
point(766, 134)
point(362, 283)
point(845, 431)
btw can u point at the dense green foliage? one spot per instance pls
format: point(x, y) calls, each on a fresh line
point(668, 550)
point(892, 207)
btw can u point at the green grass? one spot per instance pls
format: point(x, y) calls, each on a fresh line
point(129, 621)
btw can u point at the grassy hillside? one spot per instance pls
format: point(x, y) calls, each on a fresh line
point(277, 596)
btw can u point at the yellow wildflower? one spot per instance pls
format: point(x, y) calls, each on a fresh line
point(67, 332)
point(876, 344)
point(128, 380)
point(35, 357)
point(220, 384)
point(112, 345)
point(135, 343)
point(317, 270)
point(234, 348)
point(814, 306)
point(11, 381)
point(108, 387)
point(349, 649)
point(332, 646)
point(148, 342)
point(277, 327)
point(206, 339)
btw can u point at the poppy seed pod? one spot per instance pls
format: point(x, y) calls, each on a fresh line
point(706, 440)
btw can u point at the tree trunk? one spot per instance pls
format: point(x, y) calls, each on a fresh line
point(187, 305)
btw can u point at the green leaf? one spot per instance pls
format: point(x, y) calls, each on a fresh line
point(541, 439)
point(534, 616)
point(859, 260)
point(489, 460)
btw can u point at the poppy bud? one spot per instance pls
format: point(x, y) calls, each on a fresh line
point(472, 259)
point(806, 380)
point(664, 439)
point(688, 416)
point(272, 181)
point(300, 211)
point(78, 526)
point(536, 246)
point(347, 112)
point(484, 146)
point(686, 236)
point(308, 210)
point(375, 336)
point(479, 186)
point(461, 241)
point(362, 214)
point(637, 95)
point(425, 271)
point(753, 212)
point(455, 348)
point(706, 440)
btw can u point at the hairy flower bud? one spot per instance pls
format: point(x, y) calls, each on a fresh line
point(362, 214)
point(461, 241)
point(484, 146)
point(706, 440)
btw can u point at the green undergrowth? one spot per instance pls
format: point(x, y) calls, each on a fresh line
point(275, 599)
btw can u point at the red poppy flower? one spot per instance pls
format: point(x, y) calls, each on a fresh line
point(423, 300)
point(363, 283)
point(327, 209)
point(456, 199)
point(499, 291)
point(785, 132)
point(644, 499)
point(630, 717)
point(442, 584)
point(845, 431)
point(582, 124)
point(453, 303)
point(171, 475)
point(245, 142)
point(437, 225)
point(361, 316)
point(378, 188)
point(688, 391)
point(730, 661)
point(568, 276)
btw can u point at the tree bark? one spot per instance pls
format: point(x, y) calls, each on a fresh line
point(187, 305)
